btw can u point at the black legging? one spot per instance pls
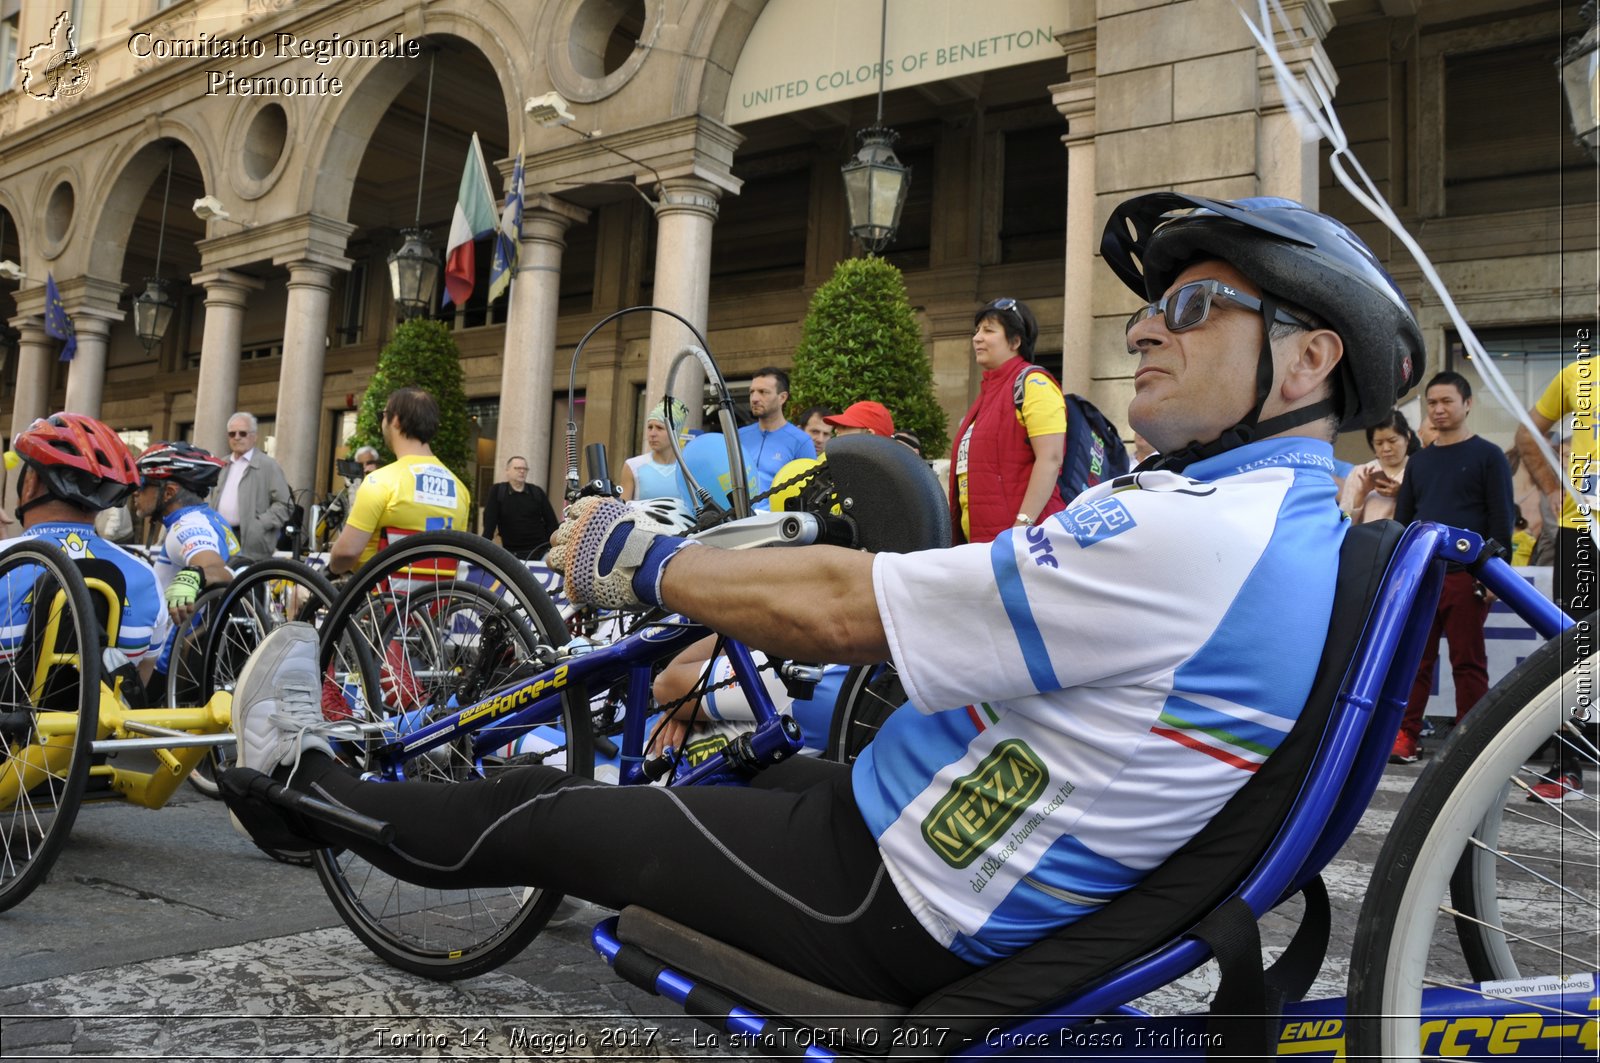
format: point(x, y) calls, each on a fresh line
point(784, 869)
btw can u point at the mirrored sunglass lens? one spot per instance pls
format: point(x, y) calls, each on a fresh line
point(1187, 307)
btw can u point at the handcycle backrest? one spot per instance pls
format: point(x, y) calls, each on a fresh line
point(48, 643)
point(894, 498)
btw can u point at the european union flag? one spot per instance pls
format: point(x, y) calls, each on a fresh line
point(57, 324)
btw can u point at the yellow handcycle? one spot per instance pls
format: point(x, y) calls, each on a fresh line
point(67, 730)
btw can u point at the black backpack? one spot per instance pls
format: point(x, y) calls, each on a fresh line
point(1093, 452)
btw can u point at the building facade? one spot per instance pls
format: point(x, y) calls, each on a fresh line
point(262, 158)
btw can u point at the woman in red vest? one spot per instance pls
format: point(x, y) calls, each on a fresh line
point(1008, 452)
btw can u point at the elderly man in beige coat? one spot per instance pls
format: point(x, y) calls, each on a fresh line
point(253, 494)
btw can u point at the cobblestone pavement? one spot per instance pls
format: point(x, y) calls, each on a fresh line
point(294, 984)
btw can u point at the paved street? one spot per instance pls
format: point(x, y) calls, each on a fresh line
point(165, 935)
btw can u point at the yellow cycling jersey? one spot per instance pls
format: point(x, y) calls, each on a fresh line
point(411, 494)
point(1574, 391)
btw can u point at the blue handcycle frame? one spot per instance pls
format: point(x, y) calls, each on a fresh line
point(495, 721)
point(1345, 773)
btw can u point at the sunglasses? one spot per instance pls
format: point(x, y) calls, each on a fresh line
point(1006, 304)
point(1189, 306)
point(237, 435)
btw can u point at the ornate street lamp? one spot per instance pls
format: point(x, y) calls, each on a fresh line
point(152, 312)
point(414, 269)
point(414, 274)
point(875, 182)
point(1580, 78)
point(153, 308)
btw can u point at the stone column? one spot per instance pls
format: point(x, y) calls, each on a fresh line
point(529, 358)
point(35, 358)
point(1075, 101)
point(1288, 161)
point(684, 216)
point(305, 347)
point(86, 373)
point(217, 394)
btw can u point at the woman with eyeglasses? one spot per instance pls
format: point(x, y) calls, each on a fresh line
point(1009, 447)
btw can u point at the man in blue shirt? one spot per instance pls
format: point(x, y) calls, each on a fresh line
point(771, 443)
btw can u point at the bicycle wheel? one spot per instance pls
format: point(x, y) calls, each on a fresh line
point(256, 601)
point(1518, 878)
point(870, 692)
point(49, 710)
point(438, 620)
point(184, 681)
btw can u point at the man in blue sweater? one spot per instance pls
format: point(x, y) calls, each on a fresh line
point(1465, 481)
point(771, 442)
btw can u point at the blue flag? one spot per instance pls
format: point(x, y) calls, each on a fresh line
point(57, 325)
point(508, 238)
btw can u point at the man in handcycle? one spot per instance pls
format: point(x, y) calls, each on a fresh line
point(72, 467)
point(1084, 694)
point(174, 480)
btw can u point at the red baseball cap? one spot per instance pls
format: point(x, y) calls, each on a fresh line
point(873, 416)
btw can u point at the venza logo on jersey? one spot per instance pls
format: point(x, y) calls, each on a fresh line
point(982, 804)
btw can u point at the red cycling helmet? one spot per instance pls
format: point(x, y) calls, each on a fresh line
point(183, 463)
point(80, 460)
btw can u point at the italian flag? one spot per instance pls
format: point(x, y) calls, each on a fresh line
point(474, 218)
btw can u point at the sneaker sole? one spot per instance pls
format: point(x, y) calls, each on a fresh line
point(240, 682)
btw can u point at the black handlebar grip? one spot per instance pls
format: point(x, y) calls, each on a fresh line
point(599, 471)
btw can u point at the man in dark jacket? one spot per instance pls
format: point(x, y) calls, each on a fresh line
point(1465, 481)
point(520, 512)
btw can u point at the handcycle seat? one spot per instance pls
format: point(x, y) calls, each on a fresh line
point(108, 589)
point(1266, 842)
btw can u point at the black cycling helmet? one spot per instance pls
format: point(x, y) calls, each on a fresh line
point(183, 463)
point(1292, 253)
point(79, 459)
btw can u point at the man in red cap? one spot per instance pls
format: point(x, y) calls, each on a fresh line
point(861, 417)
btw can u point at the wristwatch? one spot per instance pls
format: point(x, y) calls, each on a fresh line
point(1025, 520)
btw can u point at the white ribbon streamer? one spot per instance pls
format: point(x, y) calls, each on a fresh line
point(1315, 118)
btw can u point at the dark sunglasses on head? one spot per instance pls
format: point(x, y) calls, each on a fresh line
point(1005, 305)
point(1189, 306)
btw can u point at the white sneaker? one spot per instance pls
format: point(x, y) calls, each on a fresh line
point(277, 703)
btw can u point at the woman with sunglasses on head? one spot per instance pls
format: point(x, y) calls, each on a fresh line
point(1008, 453)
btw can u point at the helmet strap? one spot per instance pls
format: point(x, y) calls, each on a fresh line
point(1250, 427)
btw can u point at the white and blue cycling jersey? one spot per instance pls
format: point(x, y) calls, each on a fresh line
point(191, 531)
point(143, 614)
point(1087, 693)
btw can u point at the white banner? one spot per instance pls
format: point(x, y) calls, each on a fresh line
point(807, 53)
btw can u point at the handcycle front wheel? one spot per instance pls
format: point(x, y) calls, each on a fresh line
point(249, 607)
point(433, 623)
point(1517, 877)
point(869, 693)
point(49, 711)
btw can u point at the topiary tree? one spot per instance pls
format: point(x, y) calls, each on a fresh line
point(420, 354)
point(860, 341)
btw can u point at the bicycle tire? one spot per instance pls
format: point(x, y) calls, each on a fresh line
point(440, 934)
point(869, 693)
point(248, 608)
point(42, 777)
point(1463, 796)
point(183, 679)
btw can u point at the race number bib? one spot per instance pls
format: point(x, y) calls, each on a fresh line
point(433, 486)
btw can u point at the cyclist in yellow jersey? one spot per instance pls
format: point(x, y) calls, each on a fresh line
point(413, 493)
point(1575, 391)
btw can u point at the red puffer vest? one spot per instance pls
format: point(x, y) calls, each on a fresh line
point(999, 459)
